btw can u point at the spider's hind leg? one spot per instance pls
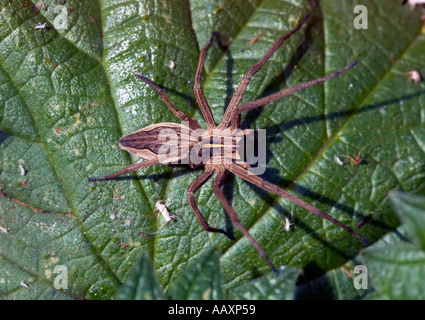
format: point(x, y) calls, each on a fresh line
point(244, 174)
point(234, 217)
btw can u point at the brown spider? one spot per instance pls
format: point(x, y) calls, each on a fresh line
point(147, 143)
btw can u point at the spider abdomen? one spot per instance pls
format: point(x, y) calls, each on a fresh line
point(174, 143)
point(169, 142)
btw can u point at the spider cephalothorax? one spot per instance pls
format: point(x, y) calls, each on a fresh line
point(216, 147)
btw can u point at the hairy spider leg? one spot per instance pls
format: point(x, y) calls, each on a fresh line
point(197, 89)
point(218, 182)
point(240, 90)
point(182, 116)
point(199, 182)
point(244, 174)
point(132, 167)
point(286, 92)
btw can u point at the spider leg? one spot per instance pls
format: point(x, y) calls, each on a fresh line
point(197, 89)
point(192, 123)
point(236, 120)
point(244, 174)
point(132, 167)
point(199, 182)
point(286, 92)
point(237, 96)
point(234, 217)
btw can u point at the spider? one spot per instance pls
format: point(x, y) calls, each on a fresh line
point(146, 143)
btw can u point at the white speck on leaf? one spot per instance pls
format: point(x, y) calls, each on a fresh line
point(23, 171)
point(164, 211)
point(41, 26)
point(171, 65)
point(414, 76)
point(289, 222)
point(338, 161)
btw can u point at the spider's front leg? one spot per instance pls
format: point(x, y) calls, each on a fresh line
point(199, 182)
point(243, 85)
point(181, 115)
point(286, 92)
point(131, 168)
point(218, 182)
point(197, 89)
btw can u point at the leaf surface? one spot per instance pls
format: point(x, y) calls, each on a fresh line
point(68, 95)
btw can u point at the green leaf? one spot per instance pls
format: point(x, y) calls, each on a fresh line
point(339, 283)
point(394, 271)
point(397, 268)
point(142, 283)
point(269, 286)
point(68, 95)
point(199, 280)
point(336, 284)
point(45, 241)
point(397, 272)
point(411, 210)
